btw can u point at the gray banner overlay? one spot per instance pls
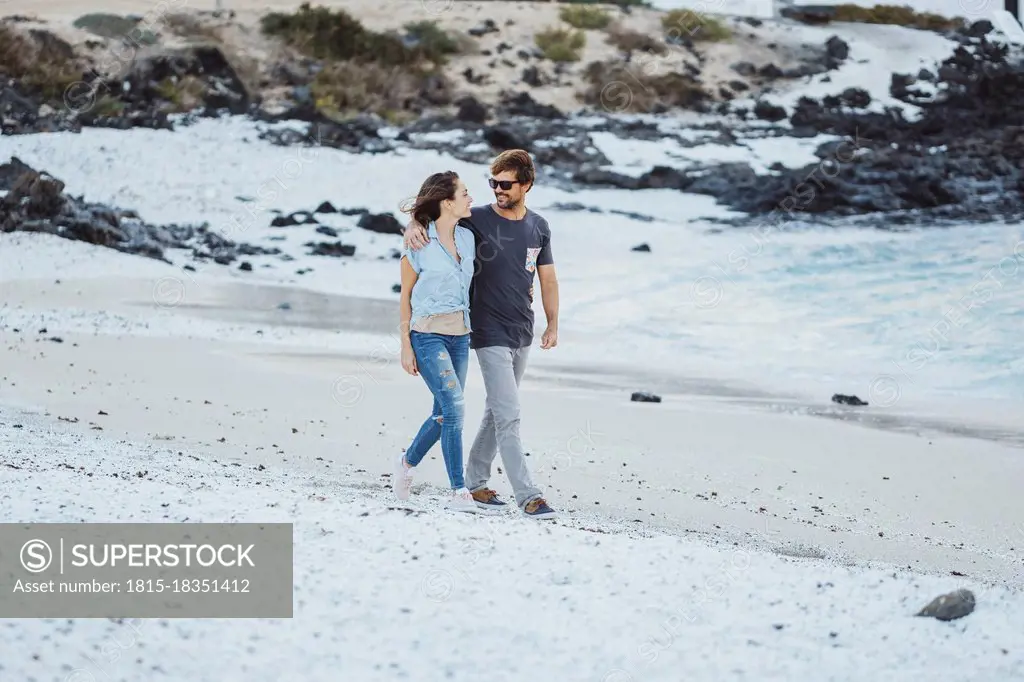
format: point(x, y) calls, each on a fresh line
point(146, 570)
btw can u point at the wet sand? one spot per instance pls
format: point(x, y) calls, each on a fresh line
point(245, 304)
point(228, 373)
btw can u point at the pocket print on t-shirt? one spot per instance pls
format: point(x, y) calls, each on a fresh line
point(531, 259)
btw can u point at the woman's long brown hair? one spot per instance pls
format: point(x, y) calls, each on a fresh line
point(426, 207)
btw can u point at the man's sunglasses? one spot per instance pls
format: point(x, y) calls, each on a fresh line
point(504, 184)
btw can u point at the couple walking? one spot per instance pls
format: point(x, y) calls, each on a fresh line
point(467, 282)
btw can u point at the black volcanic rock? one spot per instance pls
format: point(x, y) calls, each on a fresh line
point(383, 223)
point(331, 249)
point(951, 606)
point(471, 110)
point(36, 202)
point(501, 138)
point(769, 112)
point(836, 51)
point(522, 104)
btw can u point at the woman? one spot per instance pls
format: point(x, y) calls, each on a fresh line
point(435, 328)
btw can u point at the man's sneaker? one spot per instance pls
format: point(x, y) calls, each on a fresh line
point(401, 478)
point(488, 502)
point(539, 509)
point(461, 501)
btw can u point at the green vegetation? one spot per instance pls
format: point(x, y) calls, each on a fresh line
point(561, 45)
point(116, 27)
point(184, 94)
point(897, 15)
point(684, 24)
point(344, 89)
point(109, 107)
point(336, 35)
point(366, 71)
point(584, 17)
point(326, 34)
point(433, 40)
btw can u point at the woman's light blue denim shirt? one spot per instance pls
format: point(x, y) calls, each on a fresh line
point(442, 285)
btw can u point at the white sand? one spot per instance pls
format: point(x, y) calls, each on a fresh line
point(667, 597)
point(382, 595)
point(826, 486)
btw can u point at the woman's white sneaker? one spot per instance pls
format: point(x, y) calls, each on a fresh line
point(462, 501)
point(401, 478)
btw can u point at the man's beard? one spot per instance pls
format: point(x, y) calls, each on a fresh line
point(507, 202)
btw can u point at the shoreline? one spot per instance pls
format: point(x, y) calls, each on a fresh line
point(720, 490)
point(168, 300)
point(693, 463)
point(366, 323)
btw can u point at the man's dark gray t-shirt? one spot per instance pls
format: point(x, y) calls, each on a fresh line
point(508, 253)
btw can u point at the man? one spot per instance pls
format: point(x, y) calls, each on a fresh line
point(513, 244)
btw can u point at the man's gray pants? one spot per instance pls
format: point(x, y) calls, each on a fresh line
point(502, 369)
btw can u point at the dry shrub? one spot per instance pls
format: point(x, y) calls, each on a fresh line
point(436, 43)
point(896, 15)
point(629, 40)
point(182, 94)
point(561, 45)
point(585, 17)
point(685, 24)
point(337, 35)
point(618, 88)
point(365, 71)
point(191, 28)
point(343, 89)
point(41, 64)
point(108, 107)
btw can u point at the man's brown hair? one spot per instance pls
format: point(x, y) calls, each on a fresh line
point(519, 162)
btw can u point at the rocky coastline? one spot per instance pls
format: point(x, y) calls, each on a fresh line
point(961, 160)
point(35, 201)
